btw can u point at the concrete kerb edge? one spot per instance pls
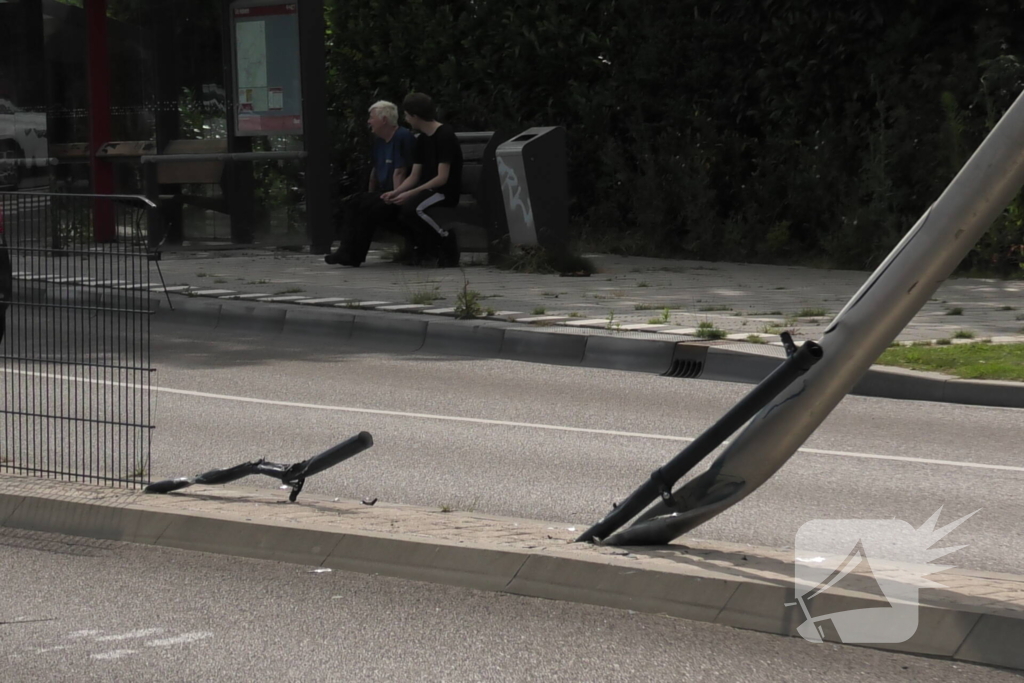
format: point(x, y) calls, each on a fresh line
point(409, 334)
point(750, 605)
point(9, 504)
point(732, 366)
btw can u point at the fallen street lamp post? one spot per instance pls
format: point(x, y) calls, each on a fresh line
point(660, 484)
point(873, 318)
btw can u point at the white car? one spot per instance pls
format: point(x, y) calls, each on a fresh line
point(23, 142)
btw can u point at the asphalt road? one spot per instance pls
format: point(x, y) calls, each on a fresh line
point(533, 441)
point(84, 610)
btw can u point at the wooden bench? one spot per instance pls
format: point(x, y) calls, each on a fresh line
point(200, 172)
point(165, 220)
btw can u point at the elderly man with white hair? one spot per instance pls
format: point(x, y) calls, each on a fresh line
point(392, 155)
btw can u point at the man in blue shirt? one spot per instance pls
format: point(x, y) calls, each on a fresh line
point(392, 156)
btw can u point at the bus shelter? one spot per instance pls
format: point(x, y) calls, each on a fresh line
point(215, 109)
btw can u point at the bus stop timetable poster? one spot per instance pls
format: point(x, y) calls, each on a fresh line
point(267, 68)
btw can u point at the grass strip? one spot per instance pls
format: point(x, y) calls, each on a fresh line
point(967, 361)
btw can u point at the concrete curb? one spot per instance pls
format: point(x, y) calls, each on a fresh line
point(411, 333)
point(236, 525)
point(879, 382)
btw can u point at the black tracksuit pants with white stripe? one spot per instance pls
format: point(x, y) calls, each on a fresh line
point(424, 232)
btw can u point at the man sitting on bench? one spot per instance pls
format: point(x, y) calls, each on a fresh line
point(436, 180)
point(364, 212)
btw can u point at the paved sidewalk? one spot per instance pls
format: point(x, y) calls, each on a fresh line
point(625, 294)
point(976, 616)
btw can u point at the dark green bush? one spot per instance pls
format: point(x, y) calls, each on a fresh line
point(772, 130)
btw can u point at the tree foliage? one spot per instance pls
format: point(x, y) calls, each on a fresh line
point(771, 130)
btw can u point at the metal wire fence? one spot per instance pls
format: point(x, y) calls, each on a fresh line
point(76, 368)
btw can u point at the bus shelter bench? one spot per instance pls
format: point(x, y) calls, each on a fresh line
point(475, 220)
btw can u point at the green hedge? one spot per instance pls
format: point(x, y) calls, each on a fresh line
point(770, 130)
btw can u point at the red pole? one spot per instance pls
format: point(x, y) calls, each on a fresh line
point(98, 67)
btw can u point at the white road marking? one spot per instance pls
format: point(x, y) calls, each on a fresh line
point(141, 633)
point(180, 640)
point(113, 654)
point(508, 423)
point(82, 634)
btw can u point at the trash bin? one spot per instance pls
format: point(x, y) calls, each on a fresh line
point(534, 182)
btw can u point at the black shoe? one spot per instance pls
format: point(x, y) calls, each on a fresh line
point(341, 258)
point(450, 256)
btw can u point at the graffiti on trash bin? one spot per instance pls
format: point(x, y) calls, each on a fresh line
point(510, 182)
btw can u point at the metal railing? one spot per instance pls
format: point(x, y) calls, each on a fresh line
point(76, 365)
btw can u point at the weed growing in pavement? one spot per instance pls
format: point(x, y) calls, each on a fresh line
point(955, 311)
point(445, 507)
point(963, 334)
point(772, 328)
point(663, 319)
point(290, 290)
point(643, 283)
point(922, 342)
point(1007, 308)
point(811, 312)
point(756, 339)
point(707, 330)
point(258, 282)
point(426, 296)
point(943, 342)
point(575, 314)
point(220, 281)
point(467, 303)
point(715, 307)
point(490, 312)
point(539, 310)
point(612, 324)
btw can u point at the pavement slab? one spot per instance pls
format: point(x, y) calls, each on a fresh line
point(737, 298)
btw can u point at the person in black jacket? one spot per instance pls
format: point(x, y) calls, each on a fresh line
point(435, 180)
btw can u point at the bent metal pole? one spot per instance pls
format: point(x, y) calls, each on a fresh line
point(882, 307)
